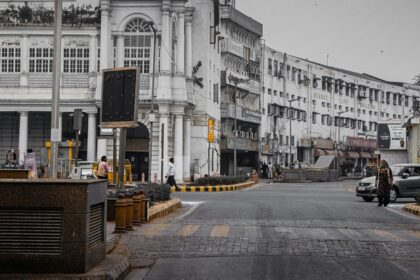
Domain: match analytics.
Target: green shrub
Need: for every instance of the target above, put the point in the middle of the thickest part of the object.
(222, 180)
(156, 192)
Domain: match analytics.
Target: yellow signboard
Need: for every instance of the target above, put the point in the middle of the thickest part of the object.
(210, 133)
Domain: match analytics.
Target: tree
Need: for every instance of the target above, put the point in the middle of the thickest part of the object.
(417, 80)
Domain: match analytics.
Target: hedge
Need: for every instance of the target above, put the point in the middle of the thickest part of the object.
(154, 192)
(223, 180)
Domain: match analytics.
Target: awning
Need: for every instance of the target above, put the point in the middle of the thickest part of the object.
(365, 155)
(352, 155)
(319, 152)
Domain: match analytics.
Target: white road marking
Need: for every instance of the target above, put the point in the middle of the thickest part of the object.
(194, 205)
(402, 213)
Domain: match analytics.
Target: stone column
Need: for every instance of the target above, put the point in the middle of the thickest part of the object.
(93, 53)
(23, 135)
(178, 147)
(165, 60)
(188, 47)
(91, 140)
(120, 50)
(105, 40)
(181, 44)
(163, 142)
(187, 148)
(24, 60)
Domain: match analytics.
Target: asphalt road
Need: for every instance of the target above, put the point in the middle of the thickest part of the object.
(278, 231)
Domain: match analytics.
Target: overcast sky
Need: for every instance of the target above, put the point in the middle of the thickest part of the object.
(379, 37)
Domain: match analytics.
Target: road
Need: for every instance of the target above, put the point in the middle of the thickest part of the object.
(278, 231)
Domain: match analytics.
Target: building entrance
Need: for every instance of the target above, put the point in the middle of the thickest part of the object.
(137, 151)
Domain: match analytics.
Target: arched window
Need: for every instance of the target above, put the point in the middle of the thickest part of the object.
(137, 44)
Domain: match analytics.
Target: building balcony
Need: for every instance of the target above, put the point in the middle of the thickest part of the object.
(243, 114)
(232, 14)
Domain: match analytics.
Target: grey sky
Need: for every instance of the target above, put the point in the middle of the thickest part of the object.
(379, 37)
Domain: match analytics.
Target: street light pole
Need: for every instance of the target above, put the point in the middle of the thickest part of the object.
(338, 147)
(55, 126)
(290, 128)
(236, 81)
(152, 102)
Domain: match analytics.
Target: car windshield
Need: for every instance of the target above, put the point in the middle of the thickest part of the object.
(396, 169)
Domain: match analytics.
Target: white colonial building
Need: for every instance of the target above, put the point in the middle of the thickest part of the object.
(105, 34)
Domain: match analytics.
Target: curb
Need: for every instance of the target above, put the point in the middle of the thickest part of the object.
(162, 209)
(412, 208)
(222, 188)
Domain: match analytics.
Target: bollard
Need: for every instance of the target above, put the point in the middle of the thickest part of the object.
(136, 208)
(120, 213)
(129, 211)
(143, 207)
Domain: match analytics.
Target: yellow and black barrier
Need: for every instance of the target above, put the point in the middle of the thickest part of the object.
(217, 188)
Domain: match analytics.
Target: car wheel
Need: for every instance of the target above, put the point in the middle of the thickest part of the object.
(368, 199)
(393, 194)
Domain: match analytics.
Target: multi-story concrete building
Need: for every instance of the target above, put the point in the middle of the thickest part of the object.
(104, 34)
(241, 57)
(312, 109)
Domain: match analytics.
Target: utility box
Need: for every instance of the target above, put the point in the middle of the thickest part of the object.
(52, 226)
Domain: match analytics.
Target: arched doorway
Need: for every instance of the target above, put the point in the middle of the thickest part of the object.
(137, 151)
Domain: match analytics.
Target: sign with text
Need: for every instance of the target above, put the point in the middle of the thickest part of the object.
(210, 133)
(392, 137)
(357, 142)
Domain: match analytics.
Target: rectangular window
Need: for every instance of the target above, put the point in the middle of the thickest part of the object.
(40, 60)
(216, 93)
(76, 60)
(10, 59)
(276, 68)
(137, 52)
(314, 118)
(269, 91)
(270, 66)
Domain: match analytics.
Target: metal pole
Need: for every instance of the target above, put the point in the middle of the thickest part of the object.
(76, 153)
(290, 133)
(162, 155)
(236, 132)
(152, 103)
(55, 130)
(284, 74)
(123, 134)
(114, 156)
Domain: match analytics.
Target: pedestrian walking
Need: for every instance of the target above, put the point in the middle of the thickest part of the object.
(265, 170)
(171, 175)
(384, 182)
(102, 172)
(270, 170)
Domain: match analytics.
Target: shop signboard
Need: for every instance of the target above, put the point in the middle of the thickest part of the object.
(392, 136)
(356, 142)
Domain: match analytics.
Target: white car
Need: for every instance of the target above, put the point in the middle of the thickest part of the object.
(406, 183)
